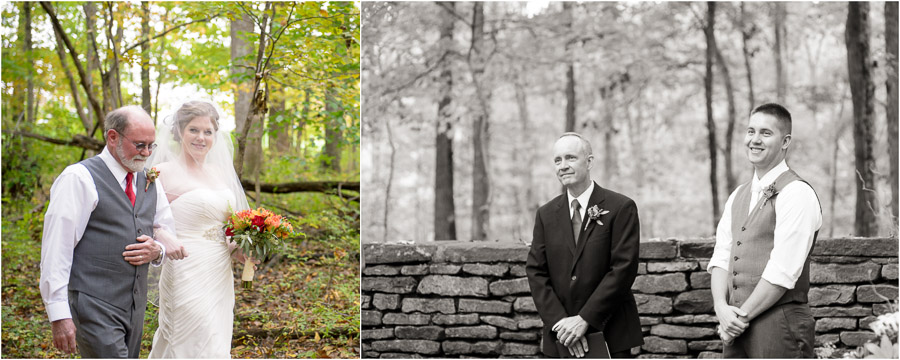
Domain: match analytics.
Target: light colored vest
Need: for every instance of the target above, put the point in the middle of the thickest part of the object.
(753, 239)
(98, 267)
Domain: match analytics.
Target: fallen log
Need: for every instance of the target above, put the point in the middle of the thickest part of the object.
(287, 333)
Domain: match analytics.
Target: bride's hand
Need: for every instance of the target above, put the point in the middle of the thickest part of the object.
(174, 249)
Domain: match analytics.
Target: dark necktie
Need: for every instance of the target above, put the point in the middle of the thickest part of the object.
(129, 190)
(576, 219)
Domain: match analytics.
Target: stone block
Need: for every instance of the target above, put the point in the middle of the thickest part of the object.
(885, 260)
(658, 345)
(466, 319)
(700, 280)
(421, 269)
(692, 319)
(429, 305)
(647, 320)
(453, 347)
(876, 293)
(475, 252)
(371, 317)
(653, 284)
(694, 249)
(394, 285)
(823, 273)
(484, 306)
(642, 268)
(529, 321)
(444, 269)
(857, 338)
(832, 295)
(486, 269)
(520, 336)
(524, 304)
(471, 332)
(855, 311)
(365, 302)
(369, 354)
(377, 334)
(694, 302)
(866, 322)
(406, 319)
(828, 324)
(671, 266)
(880, 309)
(393, 355)
(426, 347)
(446, 285)
(710, 355)
(666, 249)
(825, 339)
(386, 301)
(681, 332)
(856, 247)
(889, 271)
(397, 253)
(517, 270)
(652, 304)
(519, 349)
(509, 287)
(419, 332)
(705, 345)
(381, 270)
(500, 321)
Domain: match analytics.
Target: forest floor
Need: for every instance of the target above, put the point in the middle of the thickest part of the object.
(304, 303)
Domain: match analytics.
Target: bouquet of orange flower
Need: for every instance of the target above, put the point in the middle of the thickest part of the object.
(257, 233)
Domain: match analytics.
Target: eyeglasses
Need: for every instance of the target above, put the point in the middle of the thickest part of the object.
(140, 146)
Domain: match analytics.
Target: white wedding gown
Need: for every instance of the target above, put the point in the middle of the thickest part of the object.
(196, 294)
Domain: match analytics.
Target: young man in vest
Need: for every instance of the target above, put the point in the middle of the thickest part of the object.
(96, 243)
(760, 266)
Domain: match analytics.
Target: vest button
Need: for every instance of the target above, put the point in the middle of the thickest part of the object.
(736, 258)
(574, 277)
(735, 273)
(135, 216)
(739, 243)
(743, 228)
(734, 287)
(140, 232)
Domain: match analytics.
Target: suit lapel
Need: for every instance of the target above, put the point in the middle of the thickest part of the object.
(597, 198)
(564, 221)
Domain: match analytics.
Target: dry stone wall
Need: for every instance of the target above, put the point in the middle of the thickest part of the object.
(452, 299)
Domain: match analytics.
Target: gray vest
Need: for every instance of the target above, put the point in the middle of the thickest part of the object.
(98, 267)
(753, 233)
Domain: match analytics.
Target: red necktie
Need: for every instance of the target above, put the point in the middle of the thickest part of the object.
(129, 190)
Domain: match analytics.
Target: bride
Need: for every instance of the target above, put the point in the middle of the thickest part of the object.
(196, 293)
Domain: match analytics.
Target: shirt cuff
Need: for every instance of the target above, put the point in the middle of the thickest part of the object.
(162, 257)
(778, 277)
(716, 263)
(59, 310)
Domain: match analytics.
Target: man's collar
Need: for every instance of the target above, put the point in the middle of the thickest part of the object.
(770, 176)
(115, 168)
(583, 198)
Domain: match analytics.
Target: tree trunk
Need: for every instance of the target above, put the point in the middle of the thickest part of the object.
(480, 181)
(284, 136)
(730, 181)
(444, 207)
(862, 89)
(91, 59)
(779, 50)
(145, 58)
(745, 38)
(73, 88)
(570, 73)
(390, 181)
(242, 69)
(610, 165)
(29, 58)
(710, 123)
(890, 37)
(333, 131)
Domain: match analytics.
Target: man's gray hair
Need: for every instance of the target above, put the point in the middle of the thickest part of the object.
(585, 145)
(118, 118)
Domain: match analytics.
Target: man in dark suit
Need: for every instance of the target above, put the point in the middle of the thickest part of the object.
(584, 258)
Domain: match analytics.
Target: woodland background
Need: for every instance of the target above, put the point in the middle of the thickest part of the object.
(286, 75)
(463, 102)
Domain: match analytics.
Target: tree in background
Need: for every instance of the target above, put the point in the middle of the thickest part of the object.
(444, 206)
(890, 37)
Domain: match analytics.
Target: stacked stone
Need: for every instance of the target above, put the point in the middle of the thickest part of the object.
(472, 299)
(458, 300)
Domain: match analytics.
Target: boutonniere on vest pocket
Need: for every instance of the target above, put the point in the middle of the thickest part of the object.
(768, 193)
(151, 175)
(594, 213)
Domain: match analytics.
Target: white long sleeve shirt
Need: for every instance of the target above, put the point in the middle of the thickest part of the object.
(73, 197)
(797, 218)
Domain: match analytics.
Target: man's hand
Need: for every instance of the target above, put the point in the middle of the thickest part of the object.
(579, 348)
(729, 322)
(570, 329)
(64, 335)
(143, 252)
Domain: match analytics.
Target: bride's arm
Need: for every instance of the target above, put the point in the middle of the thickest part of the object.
(174, 249)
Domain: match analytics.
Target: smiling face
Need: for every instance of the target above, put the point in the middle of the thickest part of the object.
(766, 142)
(573, 164)
(139, 130)
(198, 137)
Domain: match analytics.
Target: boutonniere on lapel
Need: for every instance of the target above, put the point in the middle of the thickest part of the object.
(768, 193)
(151, 176)
(594, 213)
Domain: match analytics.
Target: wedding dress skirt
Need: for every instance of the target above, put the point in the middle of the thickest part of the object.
(196, 294)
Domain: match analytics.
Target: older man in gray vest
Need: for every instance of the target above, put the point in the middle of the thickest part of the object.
(760, 266)
(96, 243)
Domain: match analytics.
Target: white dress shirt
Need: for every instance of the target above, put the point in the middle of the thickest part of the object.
(582, 200)
(72, 194)
(797, 218)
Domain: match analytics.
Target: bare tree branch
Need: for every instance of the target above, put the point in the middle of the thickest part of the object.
(176, 27)
(77, 140)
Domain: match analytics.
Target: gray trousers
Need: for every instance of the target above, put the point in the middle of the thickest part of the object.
(103, 330)
(783, 331)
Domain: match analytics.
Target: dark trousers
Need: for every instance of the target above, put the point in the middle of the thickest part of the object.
(103, 330)
(782, 331)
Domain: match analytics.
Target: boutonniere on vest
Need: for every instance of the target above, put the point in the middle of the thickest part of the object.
(594, 213)
(151, 175)
(768, 193)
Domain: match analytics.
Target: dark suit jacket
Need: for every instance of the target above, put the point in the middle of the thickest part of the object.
(593, 279)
